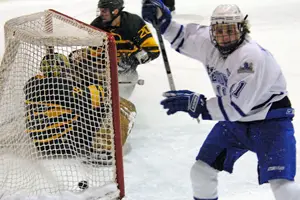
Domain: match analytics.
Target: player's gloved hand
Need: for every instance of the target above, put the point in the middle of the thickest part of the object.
(156, 13)
(131, 62)
(127, 63)
(123, 67)
(186, 101)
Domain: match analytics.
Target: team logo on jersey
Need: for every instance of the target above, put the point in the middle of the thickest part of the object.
(247, 67)
(219, 77)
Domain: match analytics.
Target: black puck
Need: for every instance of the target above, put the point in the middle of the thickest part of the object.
(83, 185)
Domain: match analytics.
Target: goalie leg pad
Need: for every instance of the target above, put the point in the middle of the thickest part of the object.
(104, 139)
(128, 114)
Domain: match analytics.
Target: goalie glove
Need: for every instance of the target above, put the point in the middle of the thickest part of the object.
(186, 101)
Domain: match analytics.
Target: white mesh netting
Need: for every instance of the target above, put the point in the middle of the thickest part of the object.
(56, 110)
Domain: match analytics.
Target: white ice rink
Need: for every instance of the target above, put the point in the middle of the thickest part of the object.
(164, 147)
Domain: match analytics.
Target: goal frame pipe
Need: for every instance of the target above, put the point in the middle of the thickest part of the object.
(116, 113)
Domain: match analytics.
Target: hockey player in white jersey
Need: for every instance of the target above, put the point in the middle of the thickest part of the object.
(251, 102)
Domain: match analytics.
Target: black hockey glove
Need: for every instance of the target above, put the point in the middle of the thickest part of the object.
(131, 62)
(127, 63)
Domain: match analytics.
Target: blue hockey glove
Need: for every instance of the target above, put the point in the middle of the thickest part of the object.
(156, 13)
(186, 101)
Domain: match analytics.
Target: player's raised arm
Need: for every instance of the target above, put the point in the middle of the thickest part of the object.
(192, 40)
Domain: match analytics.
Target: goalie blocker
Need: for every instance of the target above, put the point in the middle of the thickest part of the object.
(66, 113)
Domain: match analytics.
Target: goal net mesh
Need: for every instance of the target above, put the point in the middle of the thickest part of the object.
(57, 131)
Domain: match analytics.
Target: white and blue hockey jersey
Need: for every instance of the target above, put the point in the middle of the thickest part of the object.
(246, 83)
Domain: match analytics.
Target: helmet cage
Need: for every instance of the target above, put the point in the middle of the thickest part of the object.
(88, 64)
(228, 48)
(55, 65)
(235, 31)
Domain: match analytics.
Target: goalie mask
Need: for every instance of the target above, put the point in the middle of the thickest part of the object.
(88, 64)
(228, 28)
(109, 10)
(55, 65)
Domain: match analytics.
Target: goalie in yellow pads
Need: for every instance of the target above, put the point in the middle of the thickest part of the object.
(67, 109)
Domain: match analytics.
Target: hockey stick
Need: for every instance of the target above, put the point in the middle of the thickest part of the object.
(165, 58)
(139, 82)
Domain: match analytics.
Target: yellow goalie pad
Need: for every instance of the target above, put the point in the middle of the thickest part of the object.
(104, 139)
(127, 117)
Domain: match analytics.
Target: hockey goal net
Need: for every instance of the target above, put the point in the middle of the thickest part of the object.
(59, 111)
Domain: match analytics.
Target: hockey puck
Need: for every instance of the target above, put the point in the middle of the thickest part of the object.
(83, 185)
(141, 82)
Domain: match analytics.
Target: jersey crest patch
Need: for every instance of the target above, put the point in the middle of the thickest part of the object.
(247, 67)
(209, 69)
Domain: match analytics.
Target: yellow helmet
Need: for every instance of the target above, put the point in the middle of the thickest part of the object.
(54, 65)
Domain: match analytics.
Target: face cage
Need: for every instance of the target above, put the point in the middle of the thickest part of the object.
(84, 71)
(57, 73)
(229, 48)
(55, 68)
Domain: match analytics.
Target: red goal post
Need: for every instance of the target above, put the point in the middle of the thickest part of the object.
(78, 151)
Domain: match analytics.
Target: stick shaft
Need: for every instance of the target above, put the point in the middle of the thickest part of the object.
(165, 57)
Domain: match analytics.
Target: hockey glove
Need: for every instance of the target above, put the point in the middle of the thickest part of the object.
(127, 63)
(123, 67)
(186, 101)
(131, 62)
(156, 13)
